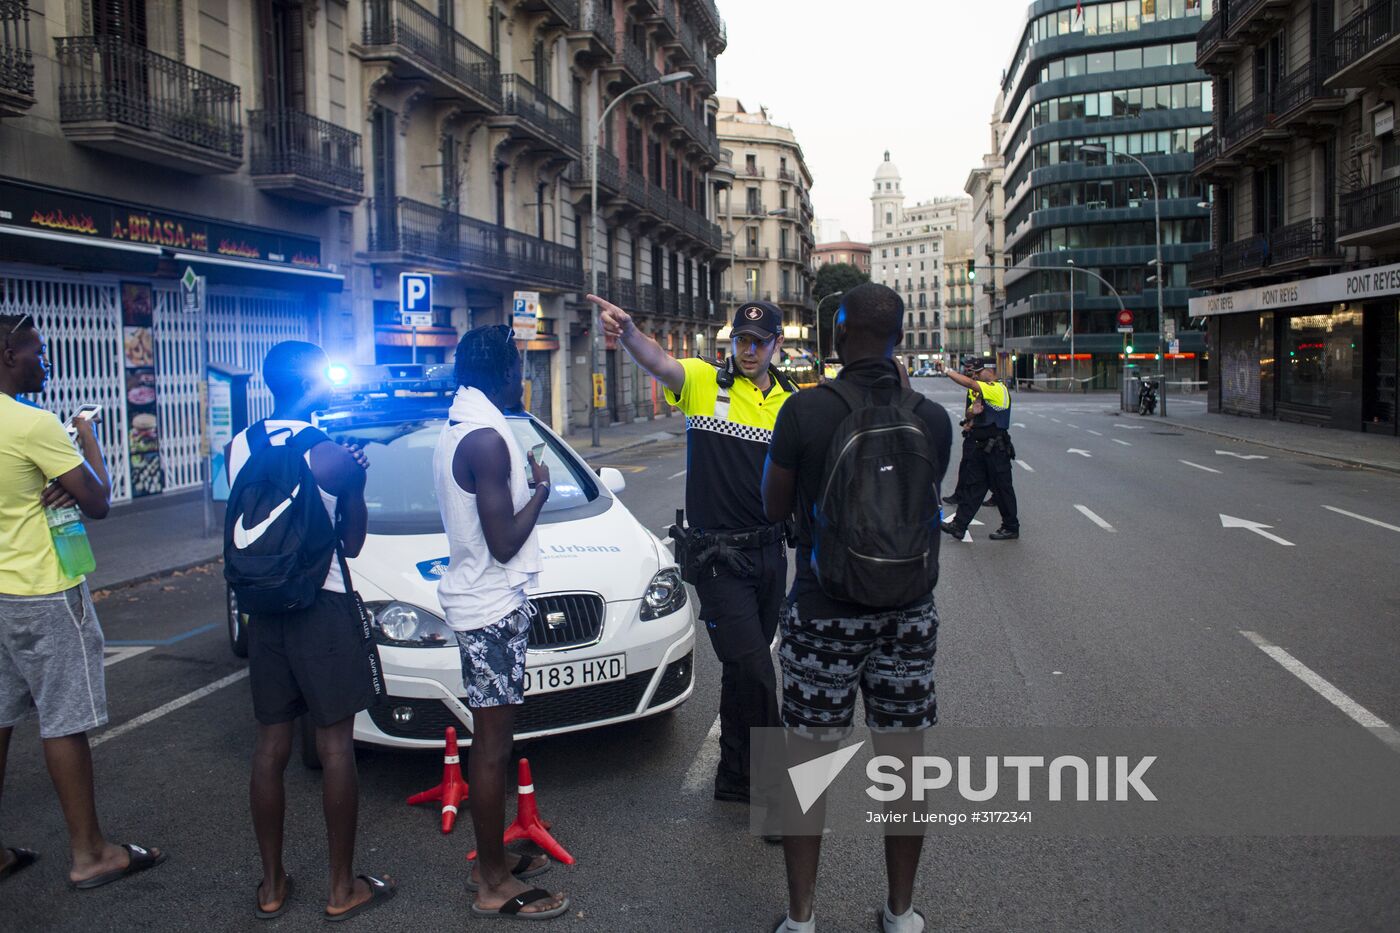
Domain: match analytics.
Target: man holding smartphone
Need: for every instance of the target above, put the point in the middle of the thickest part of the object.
(50, 640)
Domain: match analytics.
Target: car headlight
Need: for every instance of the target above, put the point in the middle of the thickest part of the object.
(664, 595)
(407, 626)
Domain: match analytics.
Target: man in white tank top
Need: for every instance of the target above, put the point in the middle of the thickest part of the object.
(489, 513)
(311, 662)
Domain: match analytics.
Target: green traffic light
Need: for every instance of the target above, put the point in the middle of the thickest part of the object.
(1128, 348)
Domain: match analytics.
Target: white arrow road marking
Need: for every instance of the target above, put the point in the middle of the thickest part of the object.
(1093, 432)
(1094, 518)
(1362, 518)
(1076, 450)
(1198, 466)
(1231, 453)
(967, 536)
(1129, 427)
(1229, 521)
(1360, 714)
(973, 522)
(1025, 466)
(1124, 443)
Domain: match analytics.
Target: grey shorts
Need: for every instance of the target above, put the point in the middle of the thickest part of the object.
(51, 658)
(493, 661)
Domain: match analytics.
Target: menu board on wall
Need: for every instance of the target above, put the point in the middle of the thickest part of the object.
(142, 417)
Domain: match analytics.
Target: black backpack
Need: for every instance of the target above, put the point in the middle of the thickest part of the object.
(875, 524)
(278, 537)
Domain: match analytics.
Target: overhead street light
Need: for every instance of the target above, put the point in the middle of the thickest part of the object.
(593, 367)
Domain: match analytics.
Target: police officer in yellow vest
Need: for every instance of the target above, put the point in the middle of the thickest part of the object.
(735, 557)
(987, 453)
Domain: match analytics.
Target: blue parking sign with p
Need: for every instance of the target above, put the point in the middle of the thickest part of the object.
(415, 293)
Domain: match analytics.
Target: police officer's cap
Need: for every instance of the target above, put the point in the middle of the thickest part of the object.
(762, 319)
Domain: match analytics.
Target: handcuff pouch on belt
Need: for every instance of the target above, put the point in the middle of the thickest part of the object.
(700, 553)
(996, 443)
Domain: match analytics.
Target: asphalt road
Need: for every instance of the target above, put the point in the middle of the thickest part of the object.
(1074, 624)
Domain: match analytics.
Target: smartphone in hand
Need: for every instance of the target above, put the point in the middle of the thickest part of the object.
(537, 452)
(87, 413)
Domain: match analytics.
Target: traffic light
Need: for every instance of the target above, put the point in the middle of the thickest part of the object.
(972, 270)
(1128, 349)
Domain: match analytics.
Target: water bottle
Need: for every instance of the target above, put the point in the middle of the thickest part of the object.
(70, 541)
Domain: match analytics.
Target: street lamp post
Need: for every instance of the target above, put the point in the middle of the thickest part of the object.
(1073, 360)
(1096, 149)
(593, 347)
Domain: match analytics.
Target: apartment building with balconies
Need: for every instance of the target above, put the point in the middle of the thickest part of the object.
(1303, 167)
(302, 155)
(1093, 94)
(844, 251)
(960, 290)
(984, 186)
(907, 254)
(767, 220)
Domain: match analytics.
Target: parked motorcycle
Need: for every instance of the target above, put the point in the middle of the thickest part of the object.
(1147, 397)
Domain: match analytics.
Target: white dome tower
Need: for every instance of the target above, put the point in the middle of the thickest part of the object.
(888, 200)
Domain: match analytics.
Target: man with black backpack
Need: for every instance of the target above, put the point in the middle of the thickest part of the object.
(858, 461)
(296, 512)
(736, 558)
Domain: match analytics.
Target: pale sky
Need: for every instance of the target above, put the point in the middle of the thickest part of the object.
(852, 79)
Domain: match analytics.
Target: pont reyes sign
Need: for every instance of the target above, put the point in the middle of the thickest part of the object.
(1328, 289)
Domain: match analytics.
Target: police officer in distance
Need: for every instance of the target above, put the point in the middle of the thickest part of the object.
(970, 365)
(987, 453)
(733, 555)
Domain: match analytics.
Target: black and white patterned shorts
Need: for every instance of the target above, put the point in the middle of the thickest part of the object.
(888, 656)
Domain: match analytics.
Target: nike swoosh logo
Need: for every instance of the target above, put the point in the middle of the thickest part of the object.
(244, 537)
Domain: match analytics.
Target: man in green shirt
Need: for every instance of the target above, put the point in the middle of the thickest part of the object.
(50, 640)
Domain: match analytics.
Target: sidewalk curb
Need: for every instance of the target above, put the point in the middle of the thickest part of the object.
(589, 455)
(154, 575)
(1348, 461)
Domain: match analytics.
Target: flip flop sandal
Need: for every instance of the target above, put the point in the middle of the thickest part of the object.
(379, 892)
(514, 909)
(142, 859)
(23, 859)
(880, 919)
(286, 900)
(522, 870)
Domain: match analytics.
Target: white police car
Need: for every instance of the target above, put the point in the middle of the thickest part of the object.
(614, 634)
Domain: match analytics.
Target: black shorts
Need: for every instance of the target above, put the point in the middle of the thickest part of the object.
(312, 661)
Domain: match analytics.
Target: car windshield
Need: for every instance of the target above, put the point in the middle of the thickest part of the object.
(399, 488)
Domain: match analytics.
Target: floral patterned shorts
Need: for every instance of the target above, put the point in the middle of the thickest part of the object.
(493, 661)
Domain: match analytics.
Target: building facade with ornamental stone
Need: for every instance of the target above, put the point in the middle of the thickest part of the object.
(767, 221)
(907, 254)
(300, 156)
(984, 186)
(845, 251)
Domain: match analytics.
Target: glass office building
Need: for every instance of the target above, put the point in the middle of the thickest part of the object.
(1083, 94)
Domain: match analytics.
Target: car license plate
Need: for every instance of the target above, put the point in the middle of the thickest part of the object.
(550, 678)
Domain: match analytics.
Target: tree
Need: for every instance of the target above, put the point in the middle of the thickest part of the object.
(832, 278)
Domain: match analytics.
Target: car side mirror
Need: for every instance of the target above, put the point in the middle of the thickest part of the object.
(612, 478)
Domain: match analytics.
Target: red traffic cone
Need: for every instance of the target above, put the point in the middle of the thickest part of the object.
(453, 790)
(528, 824)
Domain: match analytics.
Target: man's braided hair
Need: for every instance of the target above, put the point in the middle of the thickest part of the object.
(484, 357)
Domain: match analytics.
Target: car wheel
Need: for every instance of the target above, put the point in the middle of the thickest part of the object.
(307, 732)
(237, 627)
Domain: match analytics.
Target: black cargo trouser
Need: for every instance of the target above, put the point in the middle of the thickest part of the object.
(986, 465)
(741, 616)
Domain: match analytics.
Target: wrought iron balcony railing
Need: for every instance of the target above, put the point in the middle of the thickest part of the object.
(1371, 208)
(1301, 87)
(108, 79)
(16, 60)
(1364, 33)
(1312, 238)
(1211, 32)
(543, 113)
(1245, 255)
(596, 17)
(288, 142)
(421, 230)
(404, 25)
